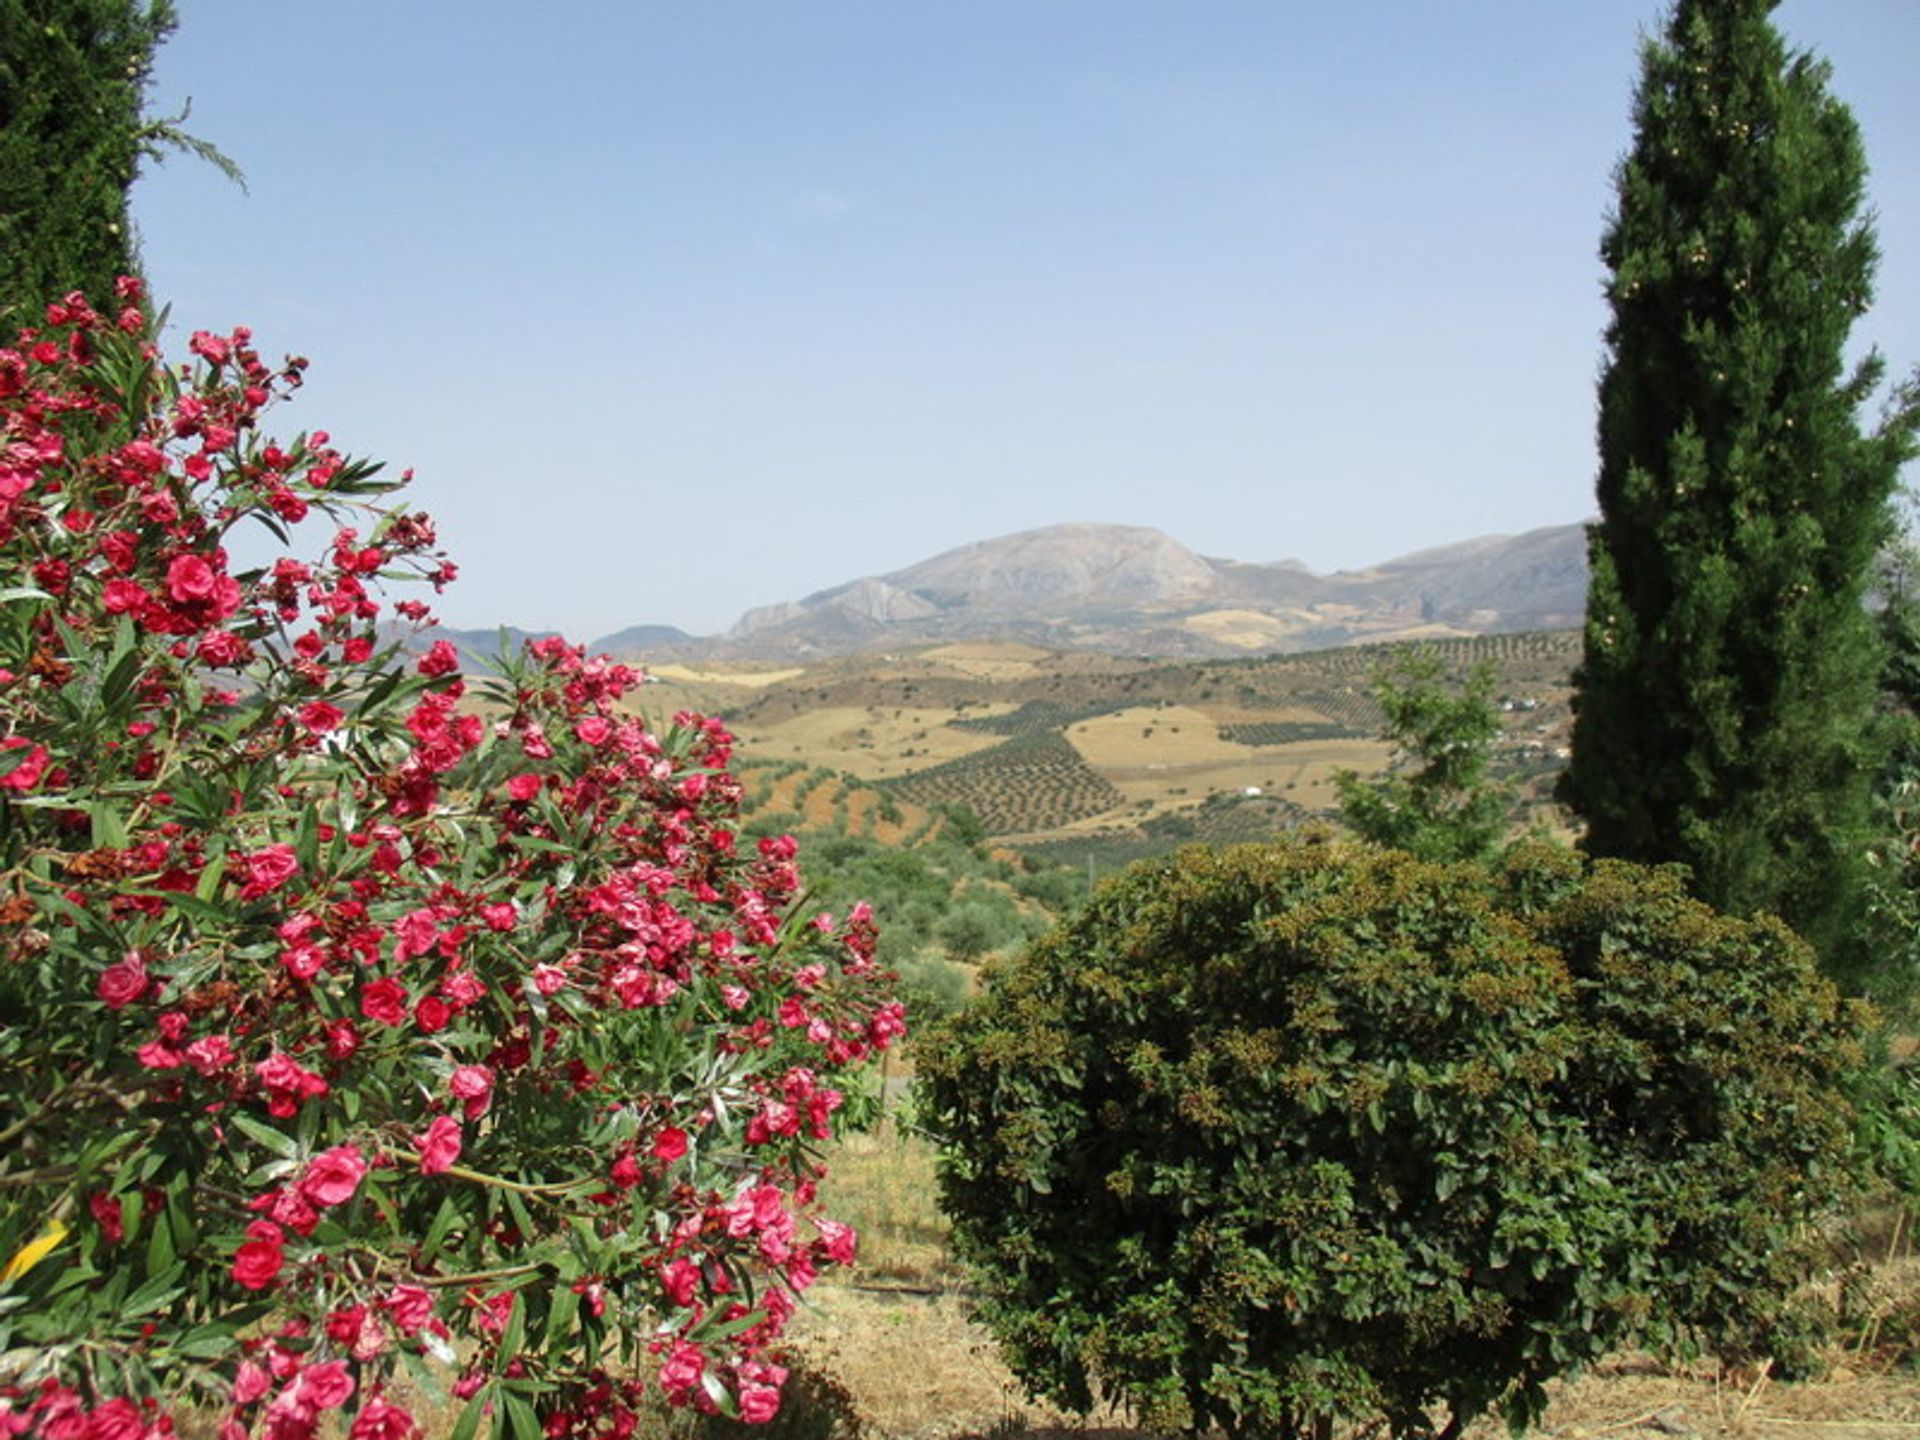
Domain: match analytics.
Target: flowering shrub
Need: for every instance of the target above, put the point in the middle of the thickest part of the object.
(355, 1018)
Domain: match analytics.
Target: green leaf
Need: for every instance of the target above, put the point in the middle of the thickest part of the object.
(561, 1314)
(443, 1222)
(514, 1338)
(522, 1421)
(109, 829)
(160, 1253)
(264, 1134)
(159, 1291)
(468, 1425)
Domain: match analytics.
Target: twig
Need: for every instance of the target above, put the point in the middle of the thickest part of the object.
(1631, 1424)
(1759, 1384)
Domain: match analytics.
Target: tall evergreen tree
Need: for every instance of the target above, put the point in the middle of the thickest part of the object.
(73, 79)
(1724, 708)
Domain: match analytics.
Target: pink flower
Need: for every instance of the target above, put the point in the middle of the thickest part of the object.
(440, 1145)
(593, 730)
(118, 597)
(474, 1085)
(123, 982)
(334, 1175)
(118, 1419)
(210, 1054)
(106, 1214)
(441, 659)
(303, 962)
(681, 1280)
(523, 787)
(385, 1000)
(682, 1369)
(209, 347)
(326, 1386)
(416, 933)
(840, 1240)
(759, 1403)
(342, 1039)
(26, 773)
(625, 1171)
(190, 579)
(379, 1420)
(492, 1314)
(287, 1207)
(250, 1382)
(266, 869)
(320, 717)
(287, 1084)
(411, 1307)
(670, 1144)
(258, 1261)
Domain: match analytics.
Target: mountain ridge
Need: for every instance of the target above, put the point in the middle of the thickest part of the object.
(1129, 589)
(1134, 590)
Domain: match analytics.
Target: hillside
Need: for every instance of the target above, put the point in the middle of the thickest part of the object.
(1077, 755)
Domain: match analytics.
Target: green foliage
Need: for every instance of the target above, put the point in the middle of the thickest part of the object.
(73, 76)
(1890, 918)
(1315, 1128)
(1437, 800)
(944, 901)
(976, 927)
(1730, 668)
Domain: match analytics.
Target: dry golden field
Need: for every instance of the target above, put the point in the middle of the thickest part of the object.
(869, 741)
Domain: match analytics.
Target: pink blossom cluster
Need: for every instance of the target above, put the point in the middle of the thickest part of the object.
(436, 1012)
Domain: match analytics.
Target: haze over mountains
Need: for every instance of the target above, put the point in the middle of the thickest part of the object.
(1130, 590)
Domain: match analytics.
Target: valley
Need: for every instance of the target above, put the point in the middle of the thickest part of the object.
(1088, 757)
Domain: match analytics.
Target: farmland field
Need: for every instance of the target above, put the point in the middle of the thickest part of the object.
(1043, 746)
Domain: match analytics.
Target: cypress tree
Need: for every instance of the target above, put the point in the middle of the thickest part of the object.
(73, 79)
(1724, 706)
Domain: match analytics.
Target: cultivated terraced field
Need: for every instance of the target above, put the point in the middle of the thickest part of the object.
(1094, 753)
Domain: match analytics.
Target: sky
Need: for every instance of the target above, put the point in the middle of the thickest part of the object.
(679, 308)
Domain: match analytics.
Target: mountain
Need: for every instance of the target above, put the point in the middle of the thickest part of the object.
(1131, 590)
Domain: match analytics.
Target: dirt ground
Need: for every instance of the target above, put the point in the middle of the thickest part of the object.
(919, 1370)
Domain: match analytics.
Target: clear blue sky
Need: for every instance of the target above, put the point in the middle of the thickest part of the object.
(678, 308)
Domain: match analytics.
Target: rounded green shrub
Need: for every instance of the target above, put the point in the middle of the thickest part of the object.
(1273, 1134)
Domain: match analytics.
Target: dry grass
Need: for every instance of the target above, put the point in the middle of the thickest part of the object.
(1247, 629)
(882, 1183)
(1152, 735)
(986, 661)
(871, 741)
(1175, 756)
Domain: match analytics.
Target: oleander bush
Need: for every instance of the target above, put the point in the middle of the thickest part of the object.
(1283, 1132)
(347, 1030)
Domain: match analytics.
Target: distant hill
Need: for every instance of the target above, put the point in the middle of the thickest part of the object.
(1129, 590)
(641, 638)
